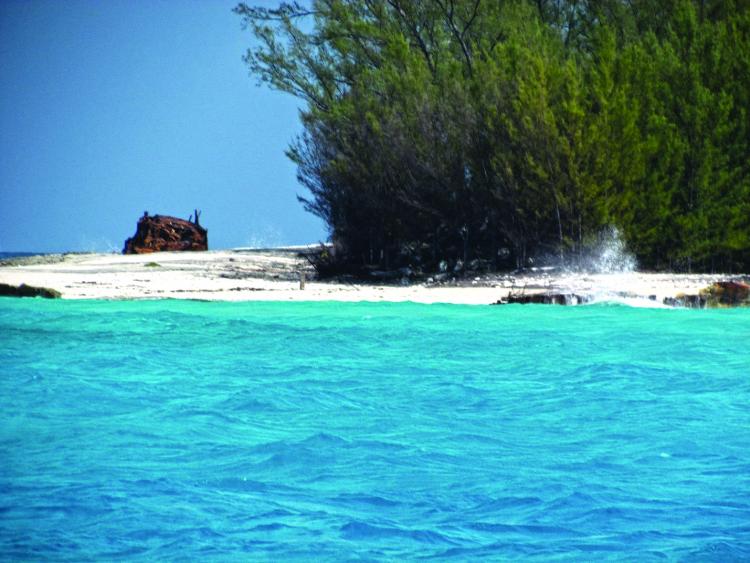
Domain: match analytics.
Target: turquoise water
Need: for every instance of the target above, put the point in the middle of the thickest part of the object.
(174, 429)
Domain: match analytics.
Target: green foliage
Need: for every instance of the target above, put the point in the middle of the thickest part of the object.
(465, 129)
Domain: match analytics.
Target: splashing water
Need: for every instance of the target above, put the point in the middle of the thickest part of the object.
(609, 259)
(612, 255)
(603, 272)
(266, 236)
(609, 255)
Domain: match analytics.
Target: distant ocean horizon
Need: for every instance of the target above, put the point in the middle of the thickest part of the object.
(283, 247)
(4, 255)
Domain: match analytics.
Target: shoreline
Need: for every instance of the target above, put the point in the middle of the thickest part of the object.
(274, 275)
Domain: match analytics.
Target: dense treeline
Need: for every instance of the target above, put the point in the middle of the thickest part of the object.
(502, 130)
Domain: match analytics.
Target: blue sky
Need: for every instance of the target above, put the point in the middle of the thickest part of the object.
(110, 108)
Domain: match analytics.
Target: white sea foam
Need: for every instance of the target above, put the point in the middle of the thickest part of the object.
(608, 255)
(605, 272)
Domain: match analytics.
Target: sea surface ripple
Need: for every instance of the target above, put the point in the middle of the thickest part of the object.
(328, 431)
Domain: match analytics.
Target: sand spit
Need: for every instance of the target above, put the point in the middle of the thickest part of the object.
(274, 275)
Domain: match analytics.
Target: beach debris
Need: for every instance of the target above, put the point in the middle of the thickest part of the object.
(24, 290)
(159, 233)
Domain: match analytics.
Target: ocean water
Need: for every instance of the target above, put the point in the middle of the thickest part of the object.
(4, 255)
(326, 431)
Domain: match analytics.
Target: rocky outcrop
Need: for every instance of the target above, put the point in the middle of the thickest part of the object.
(24, 290)
(729, 293)
(544, 299)
(725, 293)
(686, 301)
(158, 233)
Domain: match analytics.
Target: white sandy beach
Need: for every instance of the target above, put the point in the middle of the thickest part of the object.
(273, 275)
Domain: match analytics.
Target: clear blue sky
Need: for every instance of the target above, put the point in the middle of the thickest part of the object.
(110, 108)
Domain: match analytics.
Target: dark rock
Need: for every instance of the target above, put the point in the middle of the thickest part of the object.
(688, 301)
(24, 290)
(544, 299)
(157, 233)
